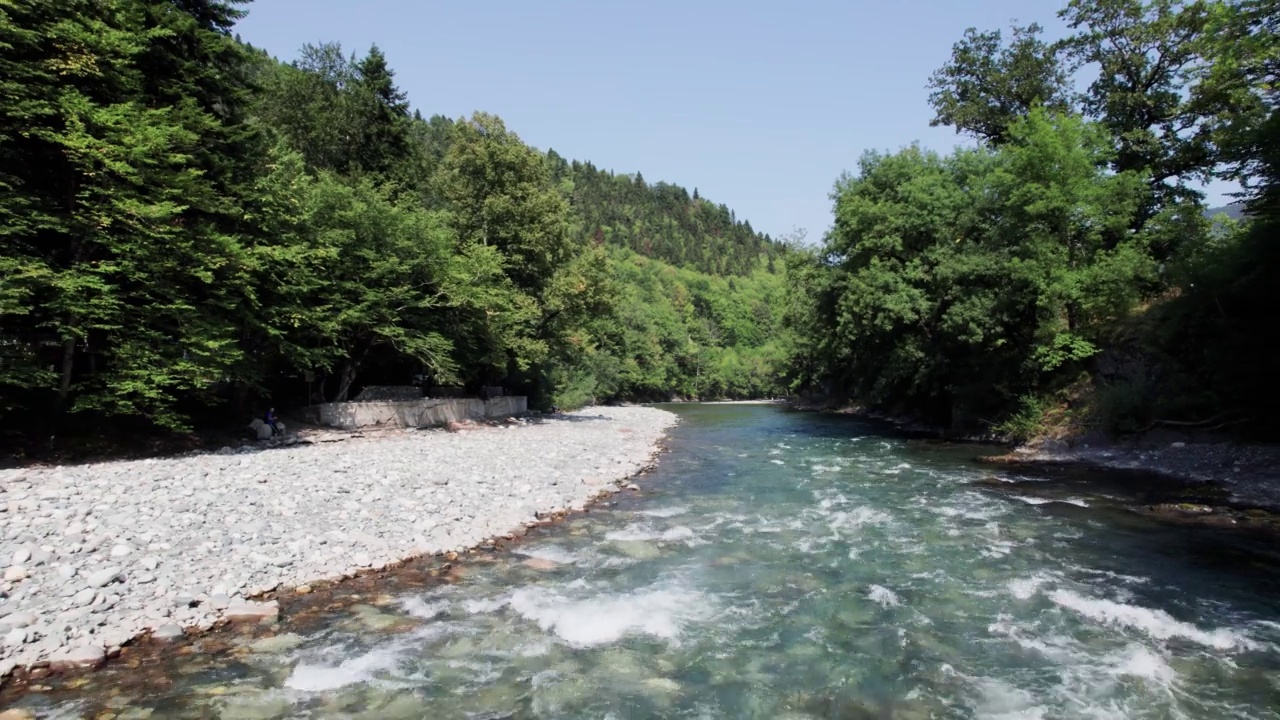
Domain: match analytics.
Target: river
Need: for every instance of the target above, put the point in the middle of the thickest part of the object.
(785, 565)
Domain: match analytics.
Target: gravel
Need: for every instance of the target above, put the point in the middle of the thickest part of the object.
(1250, 473)
(101, 553)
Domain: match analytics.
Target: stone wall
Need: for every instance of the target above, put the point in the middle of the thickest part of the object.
(416, 413)
(389, 393)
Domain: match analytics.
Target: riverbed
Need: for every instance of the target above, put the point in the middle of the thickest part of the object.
(781, 565)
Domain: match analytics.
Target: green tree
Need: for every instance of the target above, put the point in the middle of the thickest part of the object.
(500, 193)
(342, 113)
(119, 147)
(987, 85)
(1145, 53)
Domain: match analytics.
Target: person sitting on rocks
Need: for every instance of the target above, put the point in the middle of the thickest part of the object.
(272, 422)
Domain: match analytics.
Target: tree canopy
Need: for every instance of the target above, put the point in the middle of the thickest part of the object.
(193, 227)
(1066, 265)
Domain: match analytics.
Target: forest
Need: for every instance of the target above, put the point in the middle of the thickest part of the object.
(1064, 275)
(195, 230)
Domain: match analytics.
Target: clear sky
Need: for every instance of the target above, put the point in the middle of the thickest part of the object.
(760, 105)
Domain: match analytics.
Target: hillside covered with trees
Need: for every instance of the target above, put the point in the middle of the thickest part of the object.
(194, 230)
(1064, 275)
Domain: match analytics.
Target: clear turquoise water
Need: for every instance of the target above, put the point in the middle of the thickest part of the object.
(793, 565)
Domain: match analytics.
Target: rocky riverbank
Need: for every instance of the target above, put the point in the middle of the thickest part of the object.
(1248, 474)
(98, 554)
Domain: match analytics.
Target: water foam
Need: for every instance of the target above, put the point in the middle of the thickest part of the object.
(666, 512)
(882, 595)
(480, 606)
(659, 612)
(553, 553)
(1155, 623)
(970, 506)
(1025, 588)
(634, 533)
(309, 677)
(1045, 501)
(1139, 661)
(856, 518)
(1001, 701)
(420, 608)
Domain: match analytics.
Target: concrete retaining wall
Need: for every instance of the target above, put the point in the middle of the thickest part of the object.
(414, 413)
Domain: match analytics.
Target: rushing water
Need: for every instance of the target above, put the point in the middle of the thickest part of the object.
(786, 565)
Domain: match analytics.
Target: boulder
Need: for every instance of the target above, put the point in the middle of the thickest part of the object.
(538, 563)
(252, 612)
(167, 633)
(78, 658)
(260, 430)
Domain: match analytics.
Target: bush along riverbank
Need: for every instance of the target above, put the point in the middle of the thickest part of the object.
(99, 554)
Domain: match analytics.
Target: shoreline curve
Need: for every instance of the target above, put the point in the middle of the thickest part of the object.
(108, 553)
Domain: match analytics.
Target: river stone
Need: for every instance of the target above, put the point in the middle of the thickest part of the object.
(84, 597)
(260, 706)
(102, 578)
(15, 637)
(374, 619)
(637, 549)
(167, 633)
(662, 685)
(403, 706)
(17, 714)
(15, 573)
(21, 555)
(19, 619)
(77, 658)
(198, 520)
(252, 611)
(283, 642)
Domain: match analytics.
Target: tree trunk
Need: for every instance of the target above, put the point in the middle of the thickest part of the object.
(344, 385)
(68, 363)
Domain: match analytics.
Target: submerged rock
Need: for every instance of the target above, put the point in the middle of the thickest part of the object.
(283, 642)
(261, 706)
(637, 549)
(538, 563)
(662, 685)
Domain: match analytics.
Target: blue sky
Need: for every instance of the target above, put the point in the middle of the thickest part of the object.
(760, 105)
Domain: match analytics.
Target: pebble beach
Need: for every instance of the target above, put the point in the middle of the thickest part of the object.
(96, 555)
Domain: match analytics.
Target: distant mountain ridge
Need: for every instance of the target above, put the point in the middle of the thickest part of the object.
(1235, 211)
(660, 220)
